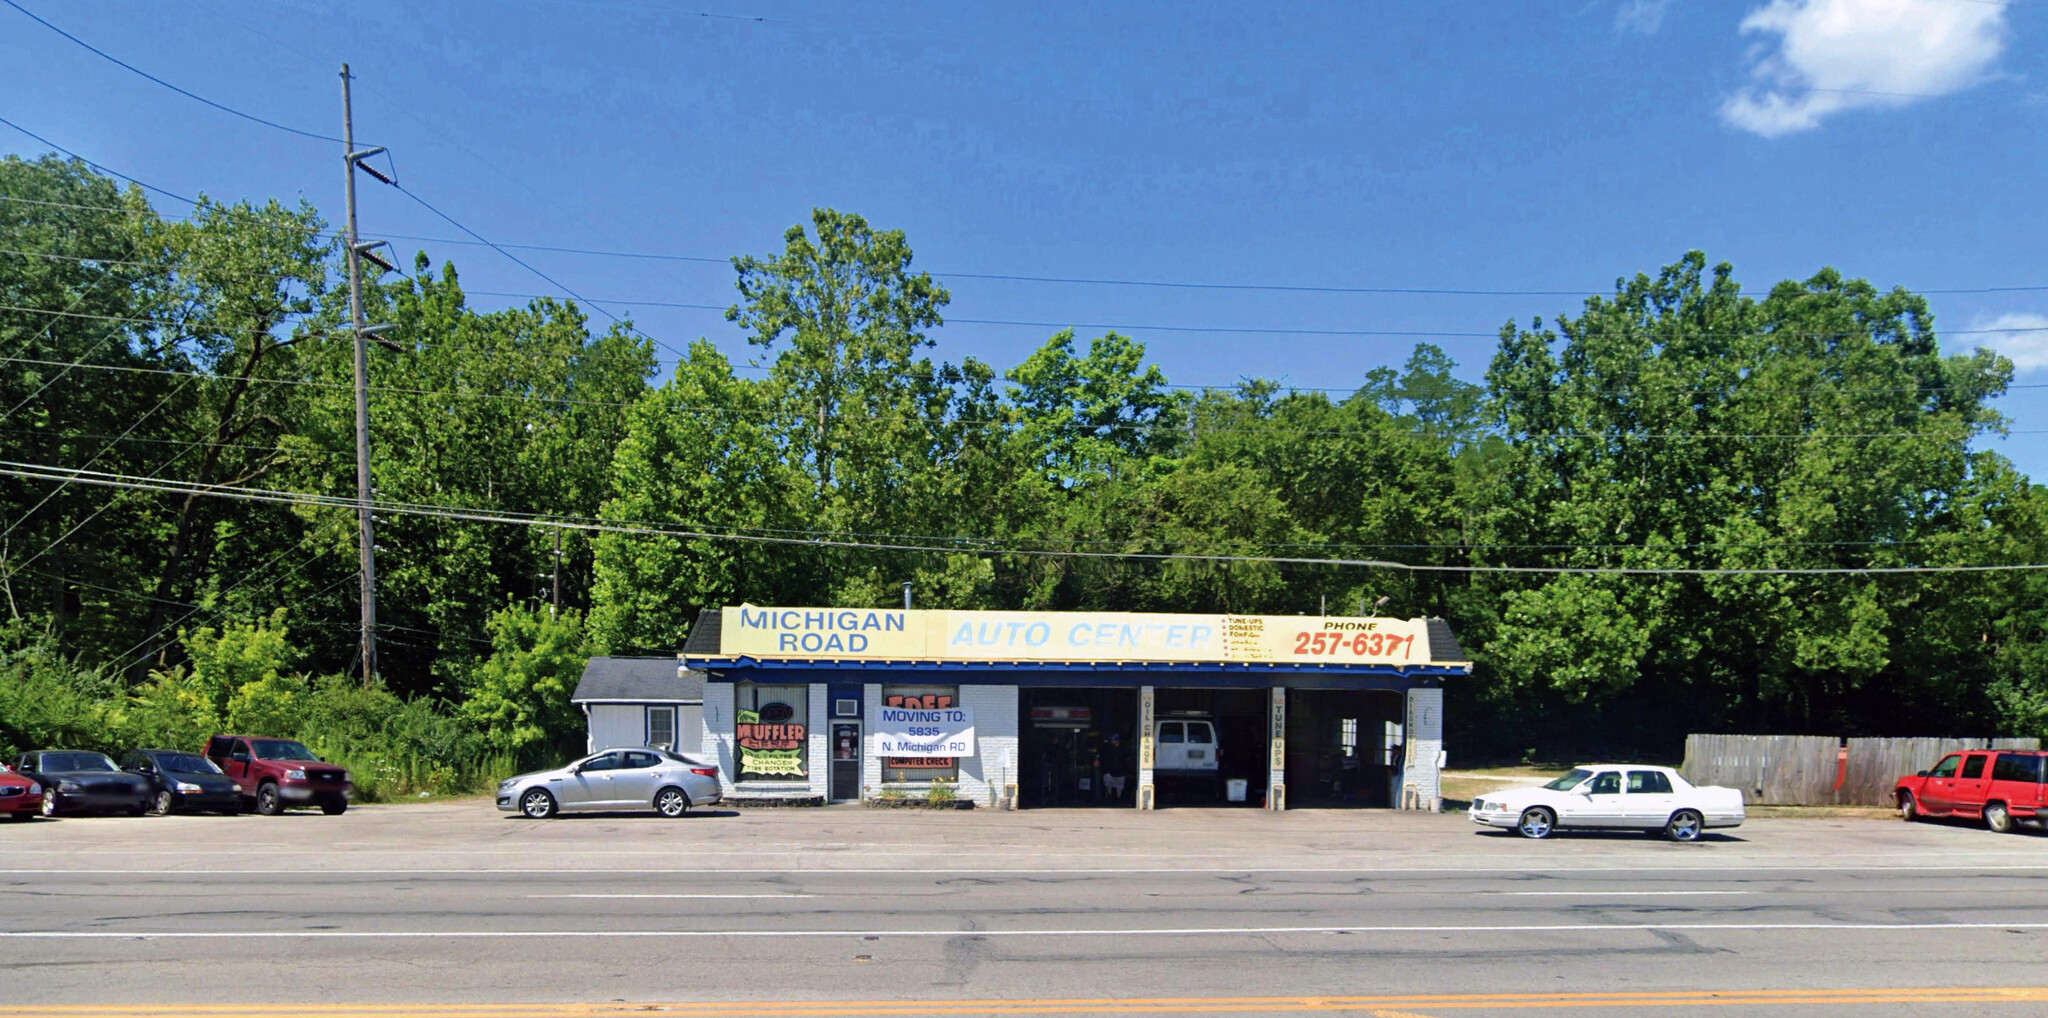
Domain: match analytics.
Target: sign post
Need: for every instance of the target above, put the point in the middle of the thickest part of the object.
(1276, 766)
(1145, 727)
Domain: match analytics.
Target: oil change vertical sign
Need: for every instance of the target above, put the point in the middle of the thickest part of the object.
(906, 731)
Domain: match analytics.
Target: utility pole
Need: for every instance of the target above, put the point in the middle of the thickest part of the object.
(556, 600)
(359, 252)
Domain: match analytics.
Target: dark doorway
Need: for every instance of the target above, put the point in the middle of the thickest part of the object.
(1343, 747)
(1239, 720)
(845, 760)
(1077, 747)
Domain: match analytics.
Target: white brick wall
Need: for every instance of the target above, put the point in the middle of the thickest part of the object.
(718, 731)
(994, 762)
(870, 764)
(820, 763)
(1425, 741)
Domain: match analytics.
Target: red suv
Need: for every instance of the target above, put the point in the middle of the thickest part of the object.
(2000, 785)
(280, 773)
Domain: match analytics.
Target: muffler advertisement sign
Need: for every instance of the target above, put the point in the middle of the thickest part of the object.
(906, 731)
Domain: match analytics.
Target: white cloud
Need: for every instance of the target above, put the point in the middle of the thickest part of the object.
(1835, 55)
(1643, 17)
(2019, 335)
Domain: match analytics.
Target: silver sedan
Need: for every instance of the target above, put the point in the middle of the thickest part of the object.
(616, 779)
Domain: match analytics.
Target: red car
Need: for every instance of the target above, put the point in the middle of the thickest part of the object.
(2001, 786)
(20, 797)
(278, 774)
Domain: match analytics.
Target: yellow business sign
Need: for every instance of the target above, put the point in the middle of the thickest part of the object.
(919, 635)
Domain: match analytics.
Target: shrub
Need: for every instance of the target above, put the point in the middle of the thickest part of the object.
(48, 699)
(519, 697)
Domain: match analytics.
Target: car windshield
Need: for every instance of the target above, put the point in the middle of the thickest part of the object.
(77, 762)
(186, 763)
(1569, 781)
(280, 749)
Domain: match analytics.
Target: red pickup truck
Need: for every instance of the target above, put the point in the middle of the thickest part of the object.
(277, 774)
(2001, 786)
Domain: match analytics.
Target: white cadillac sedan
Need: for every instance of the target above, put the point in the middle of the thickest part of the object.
(616, 779)
(1655, 800)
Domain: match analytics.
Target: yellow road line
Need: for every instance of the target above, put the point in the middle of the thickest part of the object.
(1387, 1004)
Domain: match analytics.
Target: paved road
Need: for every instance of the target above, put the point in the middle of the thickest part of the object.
(1052, 912)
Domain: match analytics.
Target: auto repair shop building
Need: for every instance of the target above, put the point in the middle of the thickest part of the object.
(1074, 708)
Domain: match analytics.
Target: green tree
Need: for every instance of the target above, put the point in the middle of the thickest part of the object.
(519, 697)
(1682, 424)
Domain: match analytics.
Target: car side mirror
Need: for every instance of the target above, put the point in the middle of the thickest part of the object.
(1919, 774)
(575, 768)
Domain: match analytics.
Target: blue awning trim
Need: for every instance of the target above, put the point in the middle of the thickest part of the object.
(1213, 674)
(1076, 666)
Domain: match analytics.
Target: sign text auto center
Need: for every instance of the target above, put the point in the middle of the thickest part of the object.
(1067, 636)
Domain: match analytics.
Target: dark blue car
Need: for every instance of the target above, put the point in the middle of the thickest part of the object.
(181, 782)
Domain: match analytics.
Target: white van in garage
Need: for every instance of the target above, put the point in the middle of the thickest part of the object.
(1185, 745)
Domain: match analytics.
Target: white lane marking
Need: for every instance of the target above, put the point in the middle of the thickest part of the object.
(1236, 931)
(1608, 894)
(671, 895)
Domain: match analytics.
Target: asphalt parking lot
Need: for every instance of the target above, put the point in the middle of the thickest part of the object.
(394, 908)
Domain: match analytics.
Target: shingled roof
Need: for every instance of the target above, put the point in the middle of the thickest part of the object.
(1443, 644)
(638, 680)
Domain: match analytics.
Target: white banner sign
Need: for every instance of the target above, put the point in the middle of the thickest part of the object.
(903, 731)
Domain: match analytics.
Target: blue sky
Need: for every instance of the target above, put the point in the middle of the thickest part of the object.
(1530, 146)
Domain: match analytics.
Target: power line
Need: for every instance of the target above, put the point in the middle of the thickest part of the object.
(801, 413)
(597, 305)
(31, 471)
(504, 246)
(117, 61)
(97, 166)
(969, 543)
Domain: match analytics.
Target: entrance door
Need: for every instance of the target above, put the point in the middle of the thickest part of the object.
(845, 760)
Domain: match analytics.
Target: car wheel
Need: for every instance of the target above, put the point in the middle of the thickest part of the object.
(671, 802)
(537, 803)
(50, 807)
(1996, 818)
(1909, 808)
(166, 804)
(334, 807)
(1685, 825)
(1536, 822)
(268, 802)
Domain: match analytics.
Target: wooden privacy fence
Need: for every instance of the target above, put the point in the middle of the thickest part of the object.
(1800, 770)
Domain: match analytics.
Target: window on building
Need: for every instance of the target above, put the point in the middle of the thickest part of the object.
(772, 725)
(661, 727)
(930, 768)
(1347, 738)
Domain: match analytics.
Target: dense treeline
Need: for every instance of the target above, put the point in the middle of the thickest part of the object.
(1675, 423)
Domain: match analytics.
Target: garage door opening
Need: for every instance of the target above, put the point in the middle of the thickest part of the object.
(1344, 747)
(1234, 721)
(1077, 747)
